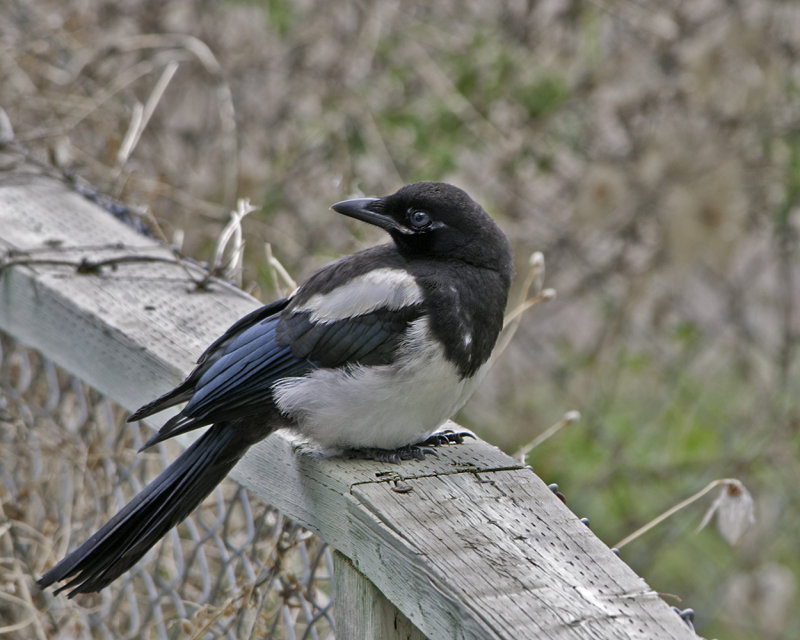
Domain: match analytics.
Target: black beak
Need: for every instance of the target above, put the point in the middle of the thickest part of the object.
(368, 210)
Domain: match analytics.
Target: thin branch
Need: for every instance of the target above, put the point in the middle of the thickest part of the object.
(141, 115)
(533, 278)
(569, 418)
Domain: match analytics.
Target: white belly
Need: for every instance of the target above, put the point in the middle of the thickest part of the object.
(385, 407)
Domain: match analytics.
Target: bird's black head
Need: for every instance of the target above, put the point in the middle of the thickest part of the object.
(437, 220)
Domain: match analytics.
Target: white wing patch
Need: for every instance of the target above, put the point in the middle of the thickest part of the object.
(383, 288)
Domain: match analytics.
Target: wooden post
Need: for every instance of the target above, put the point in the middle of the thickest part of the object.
(361, 611)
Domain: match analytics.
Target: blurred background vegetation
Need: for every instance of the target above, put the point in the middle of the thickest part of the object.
(651, 151)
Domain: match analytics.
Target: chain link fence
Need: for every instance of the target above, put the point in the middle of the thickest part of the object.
(236, 568)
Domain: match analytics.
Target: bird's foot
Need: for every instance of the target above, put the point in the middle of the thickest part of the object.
(446, 436)
(416, 451)
(395, 456)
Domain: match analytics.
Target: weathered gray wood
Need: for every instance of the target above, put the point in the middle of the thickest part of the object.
(361, 611)
(469, 545)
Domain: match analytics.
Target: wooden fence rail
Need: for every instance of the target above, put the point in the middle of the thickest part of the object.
(469, 545)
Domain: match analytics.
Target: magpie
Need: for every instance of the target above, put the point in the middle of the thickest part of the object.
(369, 356)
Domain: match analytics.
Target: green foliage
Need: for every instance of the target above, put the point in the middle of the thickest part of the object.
(792, 185)
(544, 96)
(432, 139)
(281, 15)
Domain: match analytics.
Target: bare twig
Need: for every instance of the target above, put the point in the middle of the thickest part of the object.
(569, 418)
(278, 271)
(141, 115)
(533, 278)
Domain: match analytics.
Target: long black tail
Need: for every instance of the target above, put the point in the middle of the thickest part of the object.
(119, 543)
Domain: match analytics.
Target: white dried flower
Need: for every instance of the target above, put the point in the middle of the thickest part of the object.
(734, 509)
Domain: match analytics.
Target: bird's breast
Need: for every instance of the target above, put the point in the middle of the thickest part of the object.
(385, 406)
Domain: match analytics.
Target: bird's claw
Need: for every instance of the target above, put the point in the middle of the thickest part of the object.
(412, 451)
(394, 456)
(446, 436)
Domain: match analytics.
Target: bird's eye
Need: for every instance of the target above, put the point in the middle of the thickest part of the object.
(418, 219)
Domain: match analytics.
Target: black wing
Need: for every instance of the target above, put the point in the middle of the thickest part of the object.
(368, 339)
(185, 389)
(235, 375)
